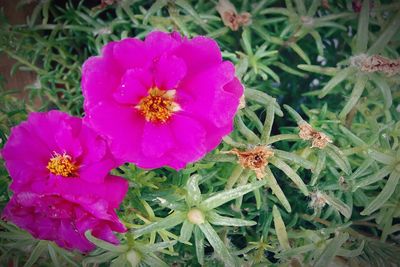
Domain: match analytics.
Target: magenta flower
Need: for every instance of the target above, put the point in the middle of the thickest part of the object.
(63, 214)
(59, 169)
(52, 148)
(164, 101)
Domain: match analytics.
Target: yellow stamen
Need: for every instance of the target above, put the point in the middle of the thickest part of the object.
(62, 165)
(159, 105)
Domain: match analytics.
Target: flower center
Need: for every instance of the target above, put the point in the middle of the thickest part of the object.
(159, 105)
(62, 165)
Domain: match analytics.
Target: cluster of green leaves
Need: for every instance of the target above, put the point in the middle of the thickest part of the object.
(314, 205)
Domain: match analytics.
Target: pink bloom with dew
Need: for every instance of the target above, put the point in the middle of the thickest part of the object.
(164, 101)
(59, 169)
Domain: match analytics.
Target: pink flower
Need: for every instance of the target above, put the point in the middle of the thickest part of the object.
(164, 101)
(63, 214)
(59, 169)
(52, 148)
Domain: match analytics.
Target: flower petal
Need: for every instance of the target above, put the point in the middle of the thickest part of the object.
(94, 146)
(66, 141)
(206, 92)
(101, 76)
(134, 86)
(169, 72)
(158, 43)
(123, 126)
(189, 138)
(128, 60)
(157, 139)
(199, 54)
(95, 172)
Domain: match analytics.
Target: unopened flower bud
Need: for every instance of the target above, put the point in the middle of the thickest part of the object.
(133, 257)
(196, 216)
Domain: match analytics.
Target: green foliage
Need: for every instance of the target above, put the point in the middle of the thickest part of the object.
(313, 206)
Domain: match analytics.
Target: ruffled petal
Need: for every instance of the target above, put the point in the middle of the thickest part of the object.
(94, 146)
(189, 139)
(45, 125)
(115, 190)
(24, 145)
(100, 76)
(205, 90)
(156, 140)
(23, 174)
(70, 237)
(169, 72)
(134, 86)
(224, 108)
(122, 126)
(66, 141)
(158, 43)
(104, 232)
(199, 54)
(95, 172)
(131, 53)
(234, 87)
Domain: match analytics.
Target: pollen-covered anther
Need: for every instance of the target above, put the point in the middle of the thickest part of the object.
(62, 164)
(254, 159)
(319, 139)
(159, 105)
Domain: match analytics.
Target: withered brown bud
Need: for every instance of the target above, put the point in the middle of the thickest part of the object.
(319, 139)
(230, 16)
(254, 159)
(376, 63)
(325, 4)
(318, 200)
(306, 131)
(105, 3)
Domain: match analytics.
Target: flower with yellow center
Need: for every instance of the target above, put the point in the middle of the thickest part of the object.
(62, 165)
(159, 105)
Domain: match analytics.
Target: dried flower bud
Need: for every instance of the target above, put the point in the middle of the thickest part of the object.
(319, 139)
(254, 159)
(230, 17)
(244, 18)
(325, 4)
(306, 131)
(318, 200)
(105, 3)
(376, 63)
